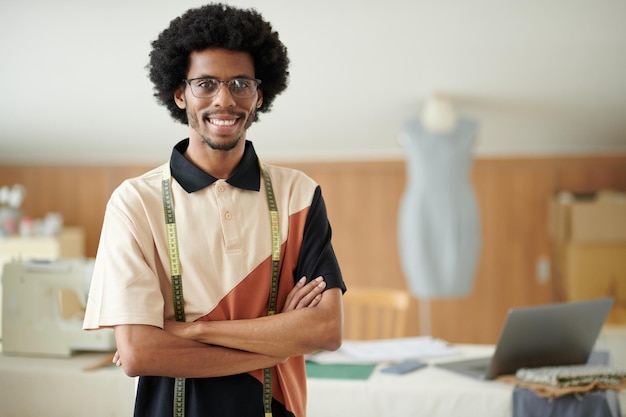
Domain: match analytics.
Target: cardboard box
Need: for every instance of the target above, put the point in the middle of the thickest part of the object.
(589, 233)
(594, 271)
(588, 218)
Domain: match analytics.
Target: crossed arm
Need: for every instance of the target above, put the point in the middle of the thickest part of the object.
(311, 320)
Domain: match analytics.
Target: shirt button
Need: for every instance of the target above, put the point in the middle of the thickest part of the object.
(220, 188)
(228, 216)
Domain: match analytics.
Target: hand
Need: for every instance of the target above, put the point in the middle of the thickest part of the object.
(305, 295)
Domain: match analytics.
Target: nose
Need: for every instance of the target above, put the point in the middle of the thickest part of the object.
(223, 97)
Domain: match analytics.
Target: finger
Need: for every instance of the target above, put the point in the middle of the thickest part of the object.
(303, 295)
(314, 292)
(305, 291)
(292, 293)
(116, 359)
(316, 300)
(300, 291)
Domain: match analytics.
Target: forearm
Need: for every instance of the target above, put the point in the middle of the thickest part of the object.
(287, 334)
(148, 350)
(290, 334)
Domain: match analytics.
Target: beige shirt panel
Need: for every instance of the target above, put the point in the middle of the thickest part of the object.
(223, 234)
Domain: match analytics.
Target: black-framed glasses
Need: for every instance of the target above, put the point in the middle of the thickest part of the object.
(206, 87)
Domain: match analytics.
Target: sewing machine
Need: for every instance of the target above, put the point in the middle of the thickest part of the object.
(43, 309)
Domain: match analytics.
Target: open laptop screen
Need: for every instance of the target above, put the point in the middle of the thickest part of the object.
(545, 335)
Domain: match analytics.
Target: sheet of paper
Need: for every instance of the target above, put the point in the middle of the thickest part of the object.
(376, 351)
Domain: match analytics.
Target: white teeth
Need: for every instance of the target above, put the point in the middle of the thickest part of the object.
(221, 122)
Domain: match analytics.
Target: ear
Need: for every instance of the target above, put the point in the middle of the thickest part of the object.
(179, 97)
(259, 100)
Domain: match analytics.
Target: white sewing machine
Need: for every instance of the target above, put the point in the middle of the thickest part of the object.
(43, 309)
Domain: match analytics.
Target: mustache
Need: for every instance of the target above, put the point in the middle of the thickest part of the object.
(208, 115)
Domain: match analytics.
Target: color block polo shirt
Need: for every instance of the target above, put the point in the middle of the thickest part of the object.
(224, 238)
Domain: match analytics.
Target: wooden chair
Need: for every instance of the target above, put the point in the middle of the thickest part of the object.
(374, 313)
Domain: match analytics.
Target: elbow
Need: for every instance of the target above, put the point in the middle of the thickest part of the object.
(333, 344)
(331, 323)
(332, 337)
(131, 370)
(135, 351)
(133, 365)
(323, 337)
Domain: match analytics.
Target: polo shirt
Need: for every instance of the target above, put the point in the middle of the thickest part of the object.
(224, 238)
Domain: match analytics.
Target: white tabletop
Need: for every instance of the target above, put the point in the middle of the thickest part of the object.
(36, 387)
(32, 386)
(429, 391)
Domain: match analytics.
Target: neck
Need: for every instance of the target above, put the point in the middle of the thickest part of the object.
(218, 163)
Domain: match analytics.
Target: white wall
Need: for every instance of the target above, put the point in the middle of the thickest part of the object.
(541, 76)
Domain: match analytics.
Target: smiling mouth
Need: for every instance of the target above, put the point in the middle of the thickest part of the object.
(223, 122)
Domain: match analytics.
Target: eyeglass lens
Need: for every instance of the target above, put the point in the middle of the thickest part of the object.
(208, 87)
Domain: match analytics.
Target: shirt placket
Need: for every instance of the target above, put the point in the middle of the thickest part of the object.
(228, 220)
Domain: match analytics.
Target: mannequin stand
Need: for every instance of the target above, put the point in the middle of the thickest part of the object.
(424, 316)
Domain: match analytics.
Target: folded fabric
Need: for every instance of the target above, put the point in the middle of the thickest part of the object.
(571, 375)
(558, 381)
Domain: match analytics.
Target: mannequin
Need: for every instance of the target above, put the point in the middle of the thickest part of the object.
(438, 115)
(439, 231)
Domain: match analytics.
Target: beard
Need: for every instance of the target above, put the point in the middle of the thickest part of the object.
(219, 145)
(224, 146)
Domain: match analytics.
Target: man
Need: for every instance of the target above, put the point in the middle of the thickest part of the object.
(196, 255)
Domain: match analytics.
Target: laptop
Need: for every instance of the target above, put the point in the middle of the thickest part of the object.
(546, 335)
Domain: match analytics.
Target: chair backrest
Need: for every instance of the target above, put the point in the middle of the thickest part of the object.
(374, 313)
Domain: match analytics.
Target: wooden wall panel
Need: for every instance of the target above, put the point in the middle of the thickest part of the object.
(79, 193)
(362, 199)
(588, 175)
(512, 201)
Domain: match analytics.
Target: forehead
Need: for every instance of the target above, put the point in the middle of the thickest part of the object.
(220, 63)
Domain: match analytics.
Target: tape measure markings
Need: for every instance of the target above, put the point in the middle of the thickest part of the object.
(177, 284)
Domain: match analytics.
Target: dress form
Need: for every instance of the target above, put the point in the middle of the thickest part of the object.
(439, 230)
(438, 115)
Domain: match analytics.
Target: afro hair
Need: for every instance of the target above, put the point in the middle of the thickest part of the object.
(217, 26)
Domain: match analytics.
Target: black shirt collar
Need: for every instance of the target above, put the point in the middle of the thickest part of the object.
(247, 175)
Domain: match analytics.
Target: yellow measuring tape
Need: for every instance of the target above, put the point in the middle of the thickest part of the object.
(177, 284)
(175, 274)
(271, 310)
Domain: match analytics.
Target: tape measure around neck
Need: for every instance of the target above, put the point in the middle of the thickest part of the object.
(271, 308)
(177, 284)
